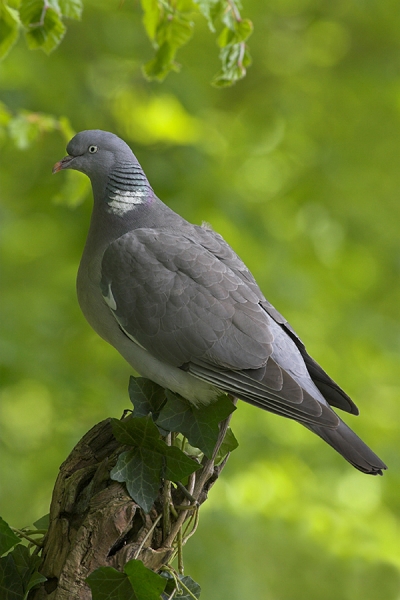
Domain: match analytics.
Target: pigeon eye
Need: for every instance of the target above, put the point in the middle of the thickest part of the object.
(92, 149)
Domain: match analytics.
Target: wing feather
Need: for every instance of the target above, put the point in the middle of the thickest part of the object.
(192, 303)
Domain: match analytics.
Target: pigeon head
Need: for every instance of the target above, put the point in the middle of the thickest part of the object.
(118, 181)
(94, 152)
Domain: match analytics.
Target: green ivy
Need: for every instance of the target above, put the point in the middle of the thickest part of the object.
(153, 456)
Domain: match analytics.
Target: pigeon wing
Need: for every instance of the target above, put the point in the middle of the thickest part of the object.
(334, 395)
(189, 308)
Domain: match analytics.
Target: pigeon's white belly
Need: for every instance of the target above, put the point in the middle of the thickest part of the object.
(170, 377)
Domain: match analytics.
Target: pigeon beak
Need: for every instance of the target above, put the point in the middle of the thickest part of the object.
(62, 164)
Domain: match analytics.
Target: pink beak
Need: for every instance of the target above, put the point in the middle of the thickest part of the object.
(62, 164)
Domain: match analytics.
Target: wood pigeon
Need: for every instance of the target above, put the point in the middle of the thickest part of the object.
(183, 309)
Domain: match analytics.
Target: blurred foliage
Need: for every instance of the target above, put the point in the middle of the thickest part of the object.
(168, 23)
(297, 167)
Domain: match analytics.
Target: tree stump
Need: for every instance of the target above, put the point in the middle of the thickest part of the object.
(95, 523)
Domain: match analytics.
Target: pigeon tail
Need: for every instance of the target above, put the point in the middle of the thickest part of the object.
(351, 447)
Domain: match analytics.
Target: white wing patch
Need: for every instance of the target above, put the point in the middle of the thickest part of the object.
(109, 299)
(123, 201)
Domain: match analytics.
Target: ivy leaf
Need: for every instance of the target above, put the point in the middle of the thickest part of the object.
(140, 469)
(191, 585)
(27, 564)
(146, 396)
(107, 583)
(136, 583)
(178, 465)
(23, 562)
(9, 28)
(199, 425)
(229, 444)
(43, 522)
(146, 584)
(35, 579)
(8, 539)
(182, 594)
(11, 587)
(150, 460)
(136, 431)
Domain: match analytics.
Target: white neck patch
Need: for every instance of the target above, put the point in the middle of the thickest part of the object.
(124, 200)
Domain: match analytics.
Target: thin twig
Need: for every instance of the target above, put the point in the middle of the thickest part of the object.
(197, 482)
(235, 10)
(180, 555)
(167, 500)
(208, 463)
(146, 537)
(27, 537)
(185, 492)
(193, 531)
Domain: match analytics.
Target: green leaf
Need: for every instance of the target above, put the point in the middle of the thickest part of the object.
(31, 11)
(151, 459)
(8, 539)
(178, 465)
(9, 28)
(199, 425)
(24, 562)
(43, 522)
(212, 11)
(140, 469)
(151, 17)
(162, 63)
(43, 25)
(146, 584)
(107, 583)
(191, 585)
(229, 444)
(26, 565)
(136, 431)
(146, 396)
(234, 58)
(182, 593)
(35, 579)
(239, 33)
(176, 31)
(11, 587)
(173, 30)
(136, 583)
(71, 9)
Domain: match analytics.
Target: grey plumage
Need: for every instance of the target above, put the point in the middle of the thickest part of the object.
(183, 309)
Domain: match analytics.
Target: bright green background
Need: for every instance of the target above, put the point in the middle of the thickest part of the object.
(297, 166)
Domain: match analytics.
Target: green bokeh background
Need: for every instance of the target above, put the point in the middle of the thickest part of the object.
(297, 166)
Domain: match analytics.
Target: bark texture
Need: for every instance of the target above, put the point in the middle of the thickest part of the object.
(95, 523)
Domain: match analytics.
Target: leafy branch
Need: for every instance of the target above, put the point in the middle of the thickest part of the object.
(169, 25)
